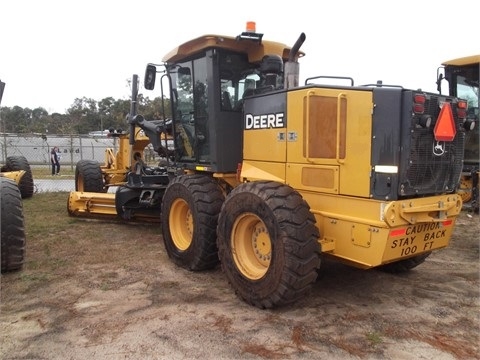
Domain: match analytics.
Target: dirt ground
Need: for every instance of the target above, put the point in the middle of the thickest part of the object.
(112, 293)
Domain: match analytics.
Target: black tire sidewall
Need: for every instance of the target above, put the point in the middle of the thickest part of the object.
(91, 173)
(204, 199)
(178, 191)
(12, 226)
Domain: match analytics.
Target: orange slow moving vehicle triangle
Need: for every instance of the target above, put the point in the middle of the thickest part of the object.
(445, 127)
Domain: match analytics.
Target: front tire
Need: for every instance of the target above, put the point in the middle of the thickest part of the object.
(190, 209)
(267, 242)
(12, 226)
(88, 177)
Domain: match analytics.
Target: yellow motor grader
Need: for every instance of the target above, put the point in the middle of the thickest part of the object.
(267, 176)
(462, 75)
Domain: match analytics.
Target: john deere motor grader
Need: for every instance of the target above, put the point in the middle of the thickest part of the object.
(462, 75)
(267, 176)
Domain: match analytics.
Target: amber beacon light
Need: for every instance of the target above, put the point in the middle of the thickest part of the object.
(251, 26)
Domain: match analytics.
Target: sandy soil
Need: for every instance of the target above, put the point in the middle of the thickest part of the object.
(103, 297)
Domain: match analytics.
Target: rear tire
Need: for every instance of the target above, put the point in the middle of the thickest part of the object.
(88, 177)
(16, 163)
(267, 243)
(190, 209)
(405, 265)
(12, 226)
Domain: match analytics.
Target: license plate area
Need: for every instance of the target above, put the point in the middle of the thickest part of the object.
(416, 239)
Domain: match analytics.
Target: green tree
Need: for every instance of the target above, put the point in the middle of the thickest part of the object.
(16, 119)
(119, 111)
(40, 120)
(154, 109)
(83, 116)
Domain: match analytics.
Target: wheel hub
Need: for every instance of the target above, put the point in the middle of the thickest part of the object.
(181, 224)
(261, 243)
(251, 246)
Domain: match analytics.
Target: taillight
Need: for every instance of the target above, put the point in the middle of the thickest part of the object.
(462, 109)
(419, 103)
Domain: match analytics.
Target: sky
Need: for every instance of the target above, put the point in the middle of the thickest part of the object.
(54, 51)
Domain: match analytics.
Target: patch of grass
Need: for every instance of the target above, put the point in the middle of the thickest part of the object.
(104, 286)
(33, 265)
(374, 338)
(33, 277)
(46, 214)
(46, 172)
(58, 263)
(56, 240)
(61, 250)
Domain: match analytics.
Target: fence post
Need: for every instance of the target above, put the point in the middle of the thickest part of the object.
(4, 148)
(81, 149)
(71, 152)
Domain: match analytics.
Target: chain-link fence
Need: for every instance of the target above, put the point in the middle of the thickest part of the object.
(72, 148)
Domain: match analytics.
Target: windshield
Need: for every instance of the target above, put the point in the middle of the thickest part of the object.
(467, 88)
(463, 82)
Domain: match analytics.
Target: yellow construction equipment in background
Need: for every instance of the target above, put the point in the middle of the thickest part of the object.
(463, 76)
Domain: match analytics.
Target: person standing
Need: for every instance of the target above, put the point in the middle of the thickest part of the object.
(54, 159)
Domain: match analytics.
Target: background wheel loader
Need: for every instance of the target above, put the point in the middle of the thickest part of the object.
(267, 176)
(16, 182)
(463, 77)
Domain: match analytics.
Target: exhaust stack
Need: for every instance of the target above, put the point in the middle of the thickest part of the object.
(292, 68)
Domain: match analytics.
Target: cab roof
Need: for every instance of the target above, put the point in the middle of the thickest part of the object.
(467, 60)
(255, 49)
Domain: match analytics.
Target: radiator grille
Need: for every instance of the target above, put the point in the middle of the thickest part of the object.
(433, 167)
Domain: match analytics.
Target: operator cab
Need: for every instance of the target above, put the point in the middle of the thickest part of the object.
(462, 75)
(208, 78)
(208, 93)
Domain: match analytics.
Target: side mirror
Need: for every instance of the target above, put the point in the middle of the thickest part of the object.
(440, 78)
(150, 74)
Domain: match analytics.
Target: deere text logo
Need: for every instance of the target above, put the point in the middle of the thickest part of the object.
(266, 121)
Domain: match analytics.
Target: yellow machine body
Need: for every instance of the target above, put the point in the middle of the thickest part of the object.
(118, 164)
(14, 175)
(324, 153)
